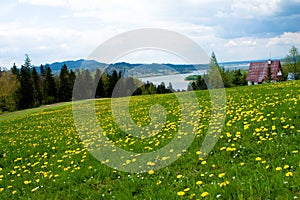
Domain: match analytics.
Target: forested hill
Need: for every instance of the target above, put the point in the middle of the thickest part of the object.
(140, 70)
(91, 64)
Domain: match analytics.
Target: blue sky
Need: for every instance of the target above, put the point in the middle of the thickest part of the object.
(57, 30)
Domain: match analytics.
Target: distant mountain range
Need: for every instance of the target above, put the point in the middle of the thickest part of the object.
(74, 65)
(144, 70)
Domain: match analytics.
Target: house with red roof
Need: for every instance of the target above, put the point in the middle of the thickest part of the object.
(258, 71)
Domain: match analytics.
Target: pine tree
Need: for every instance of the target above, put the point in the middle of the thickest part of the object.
(89, 85)
(225, 78)
(200, 83)
(237, 78)
(26, 90)
(84, 86)
(161, 89)
(99, 84)
(50, 91)
(72, 81)
(106, 84)
(65, 87)
(269, 74)
(114, 78)
(214, 73)
(15, 71)
(170, 88)
(42, 70)
(37, 94)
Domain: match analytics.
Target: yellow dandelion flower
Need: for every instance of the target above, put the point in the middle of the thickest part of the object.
(151, 172)
(295, 151)
(150, 163)
(1, 189)
(258, 159)
(158, 182)
(186, 189)
(223, 184)
(27, 182)
(203, 162)
(222, 148)
(165, 158)
(242, 163)
(179, 176)
(289, 174)
(267, 167)
(278, 168)
(14, 192)
(286, 166)
(199, 182)
(221, 175)
(180, 193)
(204, 194)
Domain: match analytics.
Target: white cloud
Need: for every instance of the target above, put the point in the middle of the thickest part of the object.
(48, 44)
(230, 43)
(45, 2)
(80, 26)
(248, 48)
(254, 8)
(286, 38)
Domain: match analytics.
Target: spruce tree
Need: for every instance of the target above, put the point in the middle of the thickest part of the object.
(42, 70)
(99, 84)
(114, 78)
(200, 83)
(237, 77)
(269, 74)
(72, 77)
(214, 71)
(89, 85)
(64, 88)
(50, 91)
(37, 94)
(15, 71)
(26, 90)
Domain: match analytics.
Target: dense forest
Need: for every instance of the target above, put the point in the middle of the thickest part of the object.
(30, 87)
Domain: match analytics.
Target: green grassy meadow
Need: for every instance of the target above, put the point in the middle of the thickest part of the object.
(256, 157)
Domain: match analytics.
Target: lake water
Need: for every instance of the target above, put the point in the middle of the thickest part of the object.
(177, 80)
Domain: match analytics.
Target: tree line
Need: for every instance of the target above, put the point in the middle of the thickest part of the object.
(29, 87)
(217, 77)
